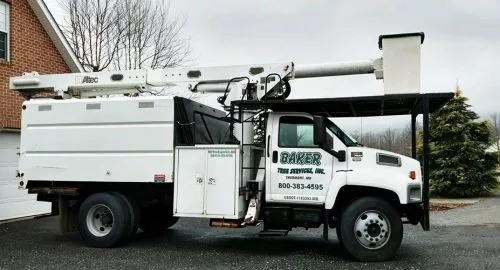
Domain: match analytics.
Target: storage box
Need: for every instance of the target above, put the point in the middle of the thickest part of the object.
(207, 182)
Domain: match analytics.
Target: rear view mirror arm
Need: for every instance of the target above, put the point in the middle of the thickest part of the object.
(340, 155)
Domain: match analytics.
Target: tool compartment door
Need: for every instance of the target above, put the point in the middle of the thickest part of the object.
(207, 181)
(190, 181)
(221, 182)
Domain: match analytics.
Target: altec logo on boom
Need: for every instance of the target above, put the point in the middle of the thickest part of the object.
(90, 79)
(300, 158)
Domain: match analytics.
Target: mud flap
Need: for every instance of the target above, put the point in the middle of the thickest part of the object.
(326, 225)
(68, 215)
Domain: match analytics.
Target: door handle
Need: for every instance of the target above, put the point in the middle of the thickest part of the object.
(275, 156)
(268, 144)
(199, 179)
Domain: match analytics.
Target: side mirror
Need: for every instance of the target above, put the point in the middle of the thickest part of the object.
(319, 130)
(341, 155)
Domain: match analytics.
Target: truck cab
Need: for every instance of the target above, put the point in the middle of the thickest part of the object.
(318, 174)
(304, 170)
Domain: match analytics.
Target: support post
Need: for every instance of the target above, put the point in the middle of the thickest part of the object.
(413, 135)
(425, 191)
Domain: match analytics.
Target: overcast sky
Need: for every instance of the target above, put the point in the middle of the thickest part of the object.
(462, 42)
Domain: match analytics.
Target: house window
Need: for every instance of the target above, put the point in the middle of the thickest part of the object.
(4, 31)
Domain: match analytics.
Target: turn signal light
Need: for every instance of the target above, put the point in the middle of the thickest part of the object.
(413, 175)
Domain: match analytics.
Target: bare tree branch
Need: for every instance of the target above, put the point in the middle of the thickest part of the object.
(495, 130)
(396, 140)
(124, 34)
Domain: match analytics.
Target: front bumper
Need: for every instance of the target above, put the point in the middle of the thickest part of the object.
(413, 212)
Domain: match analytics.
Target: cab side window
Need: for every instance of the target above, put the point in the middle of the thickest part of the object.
(296, 132)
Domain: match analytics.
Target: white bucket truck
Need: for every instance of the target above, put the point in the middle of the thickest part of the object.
(112, 159)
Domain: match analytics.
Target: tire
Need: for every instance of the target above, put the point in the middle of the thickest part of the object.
(134, 216)
(104, 219)
(156, 219)
(371, 229)
(339, 235)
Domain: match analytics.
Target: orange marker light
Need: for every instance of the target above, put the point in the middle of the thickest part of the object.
(413, 175)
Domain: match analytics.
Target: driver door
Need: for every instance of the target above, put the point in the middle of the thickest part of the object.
(300, 172)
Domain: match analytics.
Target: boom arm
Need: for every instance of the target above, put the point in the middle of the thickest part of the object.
(399, 67)
(138, 81)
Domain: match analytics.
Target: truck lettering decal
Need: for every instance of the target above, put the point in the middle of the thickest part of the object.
(301, 198)
(221, 153)
(300, 186)
(300, 158)
(301, 171)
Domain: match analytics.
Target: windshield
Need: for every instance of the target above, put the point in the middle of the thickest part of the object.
(345, 138)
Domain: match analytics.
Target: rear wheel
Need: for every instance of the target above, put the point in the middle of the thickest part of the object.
(104, 220)
(370, 229)
(134, 215)
(156, 219)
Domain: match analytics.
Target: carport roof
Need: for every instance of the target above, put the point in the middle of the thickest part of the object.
(363, 106)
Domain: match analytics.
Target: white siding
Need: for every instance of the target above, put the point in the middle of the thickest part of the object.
(15, 203)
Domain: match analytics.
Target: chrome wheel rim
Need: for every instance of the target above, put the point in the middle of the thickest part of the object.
(100, 220)
(372, 229)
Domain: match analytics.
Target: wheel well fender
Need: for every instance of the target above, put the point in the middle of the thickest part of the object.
(348, 193)
(339, 180)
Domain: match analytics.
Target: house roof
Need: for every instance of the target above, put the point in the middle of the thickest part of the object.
(52, 28)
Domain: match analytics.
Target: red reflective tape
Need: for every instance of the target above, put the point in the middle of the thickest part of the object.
(159, 178)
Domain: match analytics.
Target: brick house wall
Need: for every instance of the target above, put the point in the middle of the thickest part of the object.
(31, 49)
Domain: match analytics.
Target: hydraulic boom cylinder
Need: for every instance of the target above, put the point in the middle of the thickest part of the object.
(334, 69)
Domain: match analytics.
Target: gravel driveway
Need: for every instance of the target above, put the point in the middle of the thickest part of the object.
(464, 238)
(191, 244)
(485, 212)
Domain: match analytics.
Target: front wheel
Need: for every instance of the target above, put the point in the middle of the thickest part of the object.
(371, 229)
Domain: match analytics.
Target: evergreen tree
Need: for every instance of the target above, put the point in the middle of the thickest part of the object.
(459, 165)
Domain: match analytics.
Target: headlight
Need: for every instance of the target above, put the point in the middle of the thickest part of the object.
(414, 193)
